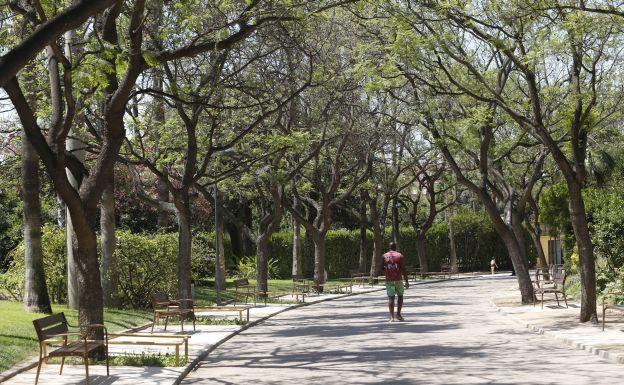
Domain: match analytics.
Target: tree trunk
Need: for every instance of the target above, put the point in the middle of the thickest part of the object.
(220, 254)
(163, 196)
(454, 267)
(89, 288)
(421, 249)
(76, 147)
(376, 262)
(319, 257)
(110, 276)
(297, 252)
(236, 239)
(586, 253)
(363, 239)
(262, 263)
(36, 298)
(183, 214)
(395, 222)
(60, 212)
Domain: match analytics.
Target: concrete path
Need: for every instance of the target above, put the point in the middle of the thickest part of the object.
(452, 335)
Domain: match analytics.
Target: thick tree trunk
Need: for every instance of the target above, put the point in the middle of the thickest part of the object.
(319, 257)
(183, 214)
(586, 253)
(453, 248)
(516, 226)
(421, 250)
(110, 276)
(236, 239)
(36, 298)
(297, 252)
(507, 235)
(363, 238)
(90, 298)
(76, 147)
(262, 263)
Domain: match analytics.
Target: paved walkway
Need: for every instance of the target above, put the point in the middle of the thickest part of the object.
(452, 336)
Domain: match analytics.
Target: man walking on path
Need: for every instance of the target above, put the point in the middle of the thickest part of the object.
(395, 268)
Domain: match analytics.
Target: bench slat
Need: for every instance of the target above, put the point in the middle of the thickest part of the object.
(45, 322)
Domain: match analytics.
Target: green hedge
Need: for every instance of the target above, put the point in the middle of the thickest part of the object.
(148, 262)
(475, 238)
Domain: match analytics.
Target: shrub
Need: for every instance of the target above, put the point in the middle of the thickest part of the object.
(248, 268)
(54, 248)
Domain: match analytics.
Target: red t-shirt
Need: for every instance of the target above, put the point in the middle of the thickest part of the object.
(393, 264)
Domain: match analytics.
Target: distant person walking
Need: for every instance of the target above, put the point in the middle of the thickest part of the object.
(394, 265)
(493, 265)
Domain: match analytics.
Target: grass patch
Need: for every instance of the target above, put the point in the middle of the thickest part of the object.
(155, 360)
(17, 334)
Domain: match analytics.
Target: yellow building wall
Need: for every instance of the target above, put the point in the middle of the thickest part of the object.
(544, 241)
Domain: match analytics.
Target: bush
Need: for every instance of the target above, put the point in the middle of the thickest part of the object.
(54, 248)
(248, 268)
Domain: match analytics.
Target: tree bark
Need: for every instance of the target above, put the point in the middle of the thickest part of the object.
(262, 263)
(110, 276)
(363, 235)
(297, 252)
(319, 257)
(183, 214)
(220, 254)
(421, 250)
(395, 222)
(376, 262)
(36, 298)
(454, 267)
(586, 253)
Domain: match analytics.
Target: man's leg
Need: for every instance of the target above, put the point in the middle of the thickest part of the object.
(391, 307)
(399, 306)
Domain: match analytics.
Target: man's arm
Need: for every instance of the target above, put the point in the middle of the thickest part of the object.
(404, 271)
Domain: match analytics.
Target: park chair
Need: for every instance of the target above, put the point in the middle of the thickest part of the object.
(610, 302)
(165, 307)
(550, 283)
(55, 329)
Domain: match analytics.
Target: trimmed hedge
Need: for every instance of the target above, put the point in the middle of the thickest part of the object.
(475, 238)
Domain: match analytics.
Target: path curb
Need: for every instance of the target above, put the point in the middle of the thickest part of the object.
(602, 353)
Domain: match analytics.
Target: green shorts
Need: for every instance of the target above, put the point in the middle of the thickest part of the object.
(394, 288)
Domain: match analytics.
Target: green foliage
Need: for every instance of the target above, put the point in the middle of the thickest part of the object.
(248, 267)
(54, 251)
(554, 210)
(148, 263)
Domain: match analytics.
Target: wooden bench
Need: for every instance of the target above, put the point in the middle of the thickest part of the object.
(235, 309)
(611, 306)
(55, 329)
(175, 340)
(244, 289)
(165, 307)
(362, 278)
(445, 270)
